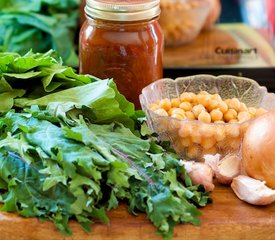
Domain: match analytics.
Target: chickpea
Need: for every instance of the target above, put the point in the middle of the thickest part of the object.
(178, 116)
(161, 125)
(161, 112)
(190, 115)
(232, 130)
(153, 106)
(157, 102)
(230, 114)
(186, 97)
(212, 105)
(175, 102)
(211, 151)
(216, 115)
(223, 107)
(243, 116)
(208, 143)
(204, 117)
(178, 6)
(220, 133)
(203, 93)
(161, 130)
(216, 97)
(233, 121)
(243, 108)
(176, 111)
(194, 4)
(206, 130)
(194, 99)
(185, 7)
(165, 104)
(197, 109)
(235, 104)
(195, 137)
(171, 111)
(204, 99)
(193, 151)
(186, 129)
(186, 106)
(221, 121)
(227, 101)
(186, 142)
(186, 27)
(177, 145)
(252, 111)
(174, 125)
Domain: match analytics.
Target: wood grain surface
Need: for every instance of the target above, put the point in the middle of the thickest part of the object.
(227, 218)
(202, 51)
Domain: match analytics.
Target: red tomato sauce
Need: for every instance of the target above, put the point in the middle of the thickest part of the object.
(130, 53)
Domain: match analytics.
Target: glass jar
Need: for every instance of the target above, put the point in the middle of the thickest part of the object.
(82, 17)
(122, 40)
(183, 20)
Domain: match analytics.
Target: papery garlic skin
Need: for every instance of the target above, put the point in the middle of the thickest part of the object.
(212, 161)
(200, 173)
(252, 191)
(226, 168)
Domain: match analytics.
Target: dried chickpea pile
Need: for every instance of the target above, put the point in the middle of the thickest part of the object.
(196, 138)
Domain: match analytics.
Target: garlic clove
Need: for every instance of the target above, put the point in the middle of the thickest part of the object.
(252, 191)
(200, 173)
(228, 168)
(212, 161)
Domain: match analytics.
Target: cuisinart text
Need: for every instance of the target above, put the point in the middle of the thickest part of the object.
(220, 50)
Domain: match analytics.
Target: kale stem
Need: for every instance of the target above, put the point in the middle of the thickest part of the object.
(143, 174)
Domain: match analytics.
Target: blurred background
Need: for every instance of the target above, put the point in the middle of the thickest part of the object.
(237, 37)
(256, 13)
(207, 36)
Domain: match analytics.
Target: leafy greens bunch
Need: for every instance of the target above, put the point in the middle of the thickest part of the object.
(72, 147)
(40, 25)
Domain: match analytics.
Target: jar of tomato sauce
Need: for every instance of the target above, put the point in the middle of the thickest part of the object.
(82, 17)
(122, 40)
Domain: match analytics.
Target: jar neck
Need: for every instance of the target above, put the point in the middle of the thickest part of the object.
(118, 24)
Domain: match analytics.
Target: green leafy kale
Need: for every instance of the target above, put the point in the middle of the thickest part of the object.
(72, 147)
(80, 161)
(25, 194)
(40, 25)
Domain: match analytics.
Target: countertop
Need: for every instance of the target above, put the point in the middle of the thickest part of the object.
(227, 218)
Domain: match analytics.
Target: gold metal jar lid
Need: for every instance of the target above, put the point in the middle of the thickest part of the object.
(122, 10)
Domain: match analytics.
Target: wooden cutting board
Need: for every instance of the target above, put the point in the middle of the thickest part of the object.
(227, 218)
